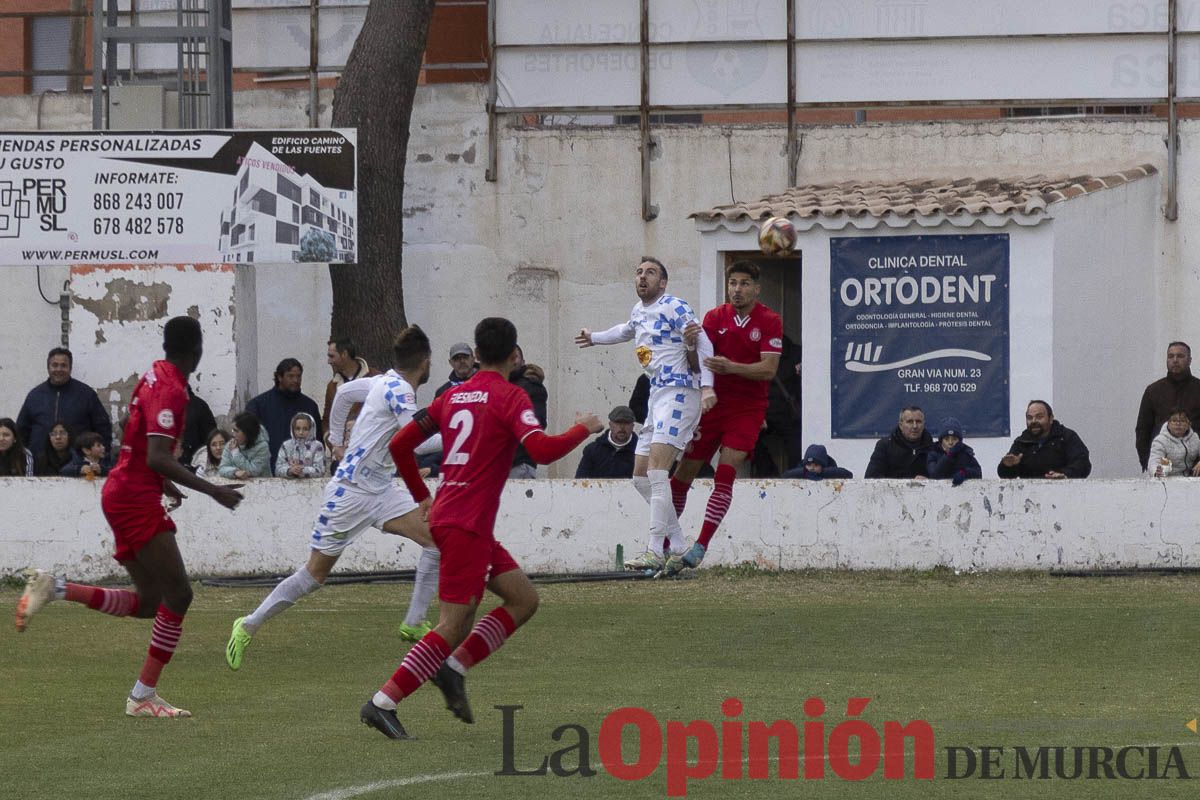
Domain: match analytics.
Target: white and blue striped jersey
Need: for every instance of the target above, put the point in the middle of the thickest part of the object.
(389, 402)
(657, 331)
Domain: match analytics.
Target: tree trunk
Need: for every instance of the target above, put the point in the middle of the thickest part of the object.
(375, 95)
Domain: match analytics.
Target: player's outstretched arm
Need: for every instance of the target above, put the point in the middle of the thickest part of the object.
(614, 335)
(160, 458)
(545, 449)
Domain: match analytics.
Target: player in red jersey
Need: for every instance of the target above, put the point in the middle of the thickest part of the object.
(747, 338)
(482, 421)
(144, 533)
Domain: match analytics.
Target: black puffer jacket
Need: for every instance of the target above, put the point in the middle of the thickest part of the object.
(1061, 451)
(897, 457)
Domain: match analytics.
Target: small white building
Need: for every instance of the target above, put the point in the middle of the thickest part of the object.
(967, 297)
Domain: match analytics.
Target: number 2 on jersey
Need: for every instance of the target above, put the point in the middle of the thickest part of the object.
(463, 422)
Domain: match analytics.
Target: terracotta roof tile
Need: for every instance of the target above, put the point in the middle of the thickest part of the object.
(923, 198)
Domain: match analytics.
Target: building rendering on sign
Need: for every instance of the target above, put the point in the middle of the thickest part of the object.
(278, 215)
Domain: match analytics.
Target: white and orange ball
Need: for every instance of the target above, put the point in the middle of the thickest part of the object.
(777, 236)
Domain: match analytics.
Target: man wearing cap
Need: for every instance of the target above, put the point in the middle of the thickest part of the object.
(462, 366)
(610, 455)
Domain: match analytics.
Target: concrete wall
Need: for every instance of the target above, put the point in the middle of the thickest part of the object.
(567, 526)
(552, 242)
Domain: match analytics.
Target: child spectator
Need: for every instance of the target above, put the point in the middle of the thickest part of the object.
(303, 455)
(15, 459)
(818, 466)
(91, 458)
(56, 451)
(952, 458)
(247, 454)
(1176, 449)
(207, 462)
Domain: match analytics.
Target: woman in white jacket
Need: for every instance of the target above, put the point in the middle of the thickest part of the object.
(1176, 450)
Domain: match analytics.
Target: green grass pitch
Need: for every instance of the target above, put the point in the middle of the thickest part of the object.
(986, 660)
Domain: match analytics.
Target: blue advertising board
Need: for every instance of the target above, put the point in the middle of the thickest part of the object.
(919, 321)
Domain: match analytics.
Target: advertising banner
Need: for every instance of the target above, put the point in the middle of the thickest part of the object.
(919, 321)
(178, 197)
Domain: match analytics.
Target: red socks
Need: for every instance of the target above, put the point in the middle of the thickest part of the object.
(679, 493)
(418, 666)
(718, 503)
(486, 637)
(164, 638)
(117, 602)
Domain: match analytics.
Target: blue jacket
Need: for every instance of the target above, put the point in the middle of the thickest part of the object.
(957, 465)
(829, 468)
(275, 409)
(74, 403)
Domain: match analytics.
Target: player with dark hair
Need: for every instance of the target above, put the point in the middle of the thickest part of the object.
(484, 420)
(144, 533)
(362, 493)
(747, 338)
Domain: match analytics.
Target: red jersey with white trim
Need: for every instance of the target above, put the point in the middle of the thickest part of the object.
(482, 421)
(157, 409)
(744, 340)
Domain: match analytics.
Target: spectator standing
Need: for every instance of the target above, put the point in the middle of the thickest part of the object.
(347, 365)
(61, 397)
(1175, 452)
(247, 454)
(610, 455)
(91, 458)
(462, 366)
(952, 458)
(532, 380)
(1178, 390)
(198, 422)
(275, 407)
(56, 452)
(1046, 449)
(207, 462)
(905, 453)
(818, 465)
(301, 456)
(15, 459)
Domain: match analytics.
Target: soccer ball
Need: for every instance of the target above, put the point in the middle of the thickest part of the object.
(777, 236)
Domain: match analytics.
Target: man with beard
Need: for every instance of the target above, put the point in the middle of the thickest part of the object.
(1046, 449)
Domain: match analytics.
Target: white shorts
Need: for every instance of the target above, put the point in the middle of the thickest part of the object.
(346, 512)
(671, 417)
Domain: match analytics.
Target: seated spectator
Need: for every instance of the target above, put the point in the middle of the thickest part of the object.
(275, 407)
(56, 451)
(301, 456)
(610, 455)
(207, 461)
(952, 458)
(1176, 449)
(15, 460)
(1046, 449)
(91, 458)
(904, 454)
(248, 453)
(61, 397)
(818, 465)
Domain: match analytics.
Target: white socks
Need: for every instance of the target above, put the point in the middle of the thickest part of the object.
(424, 585)
(642, 484)
(662, 512)
(281, 598)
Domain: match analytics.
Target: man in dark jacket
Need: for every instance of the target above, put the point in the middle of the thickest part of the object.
(905, 453)
(1047, 448)
(1179, 389)
(531, 379)
(198, 423)
(276, 406)
(462, 366)
(819, 466)
(610, 455)
(61, 398)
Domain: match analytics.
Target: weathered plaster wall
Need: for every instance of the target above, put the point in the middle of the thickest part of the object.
(567, 526)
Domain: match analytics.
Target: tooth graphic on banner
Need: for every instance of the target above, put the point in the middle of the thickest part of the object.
(862, 358)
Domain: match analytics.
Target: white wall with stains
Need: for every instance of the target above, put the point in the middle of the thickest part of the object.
(569, 526)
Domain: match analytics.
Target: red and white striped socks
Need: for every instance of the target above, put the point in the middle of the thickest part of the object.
(419, 665)
(718, 503)
(116, 602)
(488, 635)
(164, 638)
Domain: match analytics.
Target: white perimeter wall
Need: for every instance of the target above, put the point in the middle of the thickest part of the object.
(554, 241)
(567, 526)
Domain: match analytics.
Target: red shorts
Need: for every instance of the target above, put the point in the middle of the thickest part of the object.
(729, 424)
(469, 561)
(134, 522)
